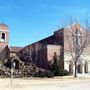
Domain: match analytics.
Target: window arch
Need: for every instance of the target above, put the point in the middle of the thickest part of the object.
(79, 66)
(86, 67)
(3, 37)
(78, 38)
(71, 67)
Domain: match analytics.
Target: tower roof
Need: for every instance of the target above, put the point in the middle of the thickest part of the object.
(3, 26)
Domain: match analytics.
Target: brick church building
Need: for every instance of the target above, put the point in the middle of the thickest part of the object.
(42, 52)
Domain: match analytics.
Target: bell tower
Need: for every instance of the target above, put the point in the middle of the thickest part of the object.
(4, 41)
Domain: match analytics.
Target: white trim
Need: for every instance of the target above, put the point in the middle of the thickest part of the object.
(1, 30)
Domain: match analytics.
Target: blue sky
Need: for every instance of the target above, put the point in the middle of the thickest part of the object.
(32, 20)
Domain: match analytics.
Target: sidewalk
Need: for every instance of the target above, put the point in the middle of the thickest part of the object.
(84, 75)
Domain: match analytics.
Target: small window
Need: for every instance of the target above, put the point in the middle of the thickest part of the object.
(3, 37)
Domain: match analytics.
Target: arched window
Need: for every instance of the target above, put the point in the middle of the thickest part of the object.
(86, 67)
(79, 66)
(78, 38)
(3, 37)
(71, 67)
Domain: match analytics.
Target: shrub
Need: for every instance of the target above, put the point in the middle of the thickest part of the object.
(63, 72)
(44, 73)
(57, 71)
(49, 74)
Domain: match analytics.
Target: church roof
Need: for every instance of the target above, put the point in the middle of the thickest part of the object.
(15, 49)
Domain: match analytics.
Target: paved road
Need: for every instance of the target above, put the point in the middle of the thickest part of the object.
(46, 84)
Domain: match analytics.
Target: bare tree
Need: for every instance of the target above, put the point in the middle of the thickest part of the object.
(77, 41)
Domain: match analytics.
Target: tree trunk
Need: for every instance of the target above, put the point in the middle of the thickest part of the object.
(75, 75)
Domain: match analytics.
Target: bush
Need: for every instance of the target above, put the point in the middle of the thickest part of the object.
(44, 73)
(63, 72)
(2, 72)
(49, 74)
(57, 71)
